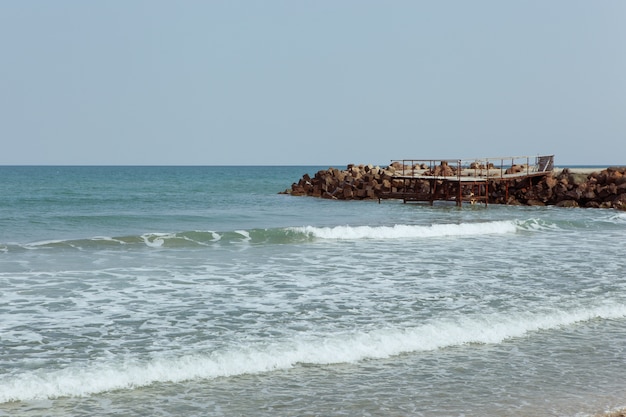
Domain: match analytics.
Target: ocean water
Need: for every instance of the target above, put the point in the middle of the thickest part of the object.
(201, 291)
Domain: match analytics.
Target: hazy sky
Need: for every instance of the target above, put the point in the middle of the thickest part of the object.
(311, 82)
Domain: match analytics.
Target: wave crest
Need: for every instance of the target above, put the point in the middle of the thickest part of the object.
(286, 235)
(402, 231)
(349, 347)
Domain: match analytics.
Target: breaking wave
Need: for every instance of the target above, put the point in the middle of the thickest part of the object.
(348, 347)
(408, 231)
(287, 235)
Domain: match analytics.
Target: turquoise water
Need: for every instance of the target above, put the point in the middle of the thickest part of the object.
(171, 291)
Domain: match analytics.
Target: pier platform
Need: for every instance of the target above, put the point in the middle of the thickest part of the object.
(461, 180)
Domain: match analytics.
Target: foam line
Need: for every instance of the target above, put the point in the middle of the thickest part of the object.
(409, 231)
(347, 347)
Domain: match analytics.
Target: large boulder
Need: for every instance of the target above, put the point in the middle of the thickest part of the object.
(619, 202)
(567, 203)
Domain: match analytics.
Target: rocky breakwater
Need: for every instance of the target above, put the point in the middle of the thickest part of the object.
(356, 182)
(564, 188)
(569, 188)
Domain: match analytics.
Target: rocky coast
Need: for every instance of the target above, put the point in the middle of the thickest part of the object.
(568, 187)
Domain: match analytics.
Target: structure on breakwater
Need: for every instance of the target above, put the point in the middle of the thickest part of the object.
(511, 180)
(461, 180)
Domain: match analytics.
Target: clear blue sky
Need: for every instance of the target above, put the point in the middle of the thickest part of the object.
(325, 82)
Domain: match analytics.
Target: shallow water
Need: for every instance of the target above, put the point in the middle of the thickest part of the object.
(201, 291)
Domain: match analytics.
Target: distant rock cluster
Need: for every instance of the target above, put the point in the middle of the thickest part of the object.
(355, 182)
(602, 189)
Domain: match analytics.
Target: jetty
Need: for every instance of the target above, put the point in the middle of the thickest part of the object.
(530, 181)
(462, 180)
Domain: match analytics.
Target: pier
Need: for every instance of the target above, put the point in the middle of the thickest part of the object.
(458, 180)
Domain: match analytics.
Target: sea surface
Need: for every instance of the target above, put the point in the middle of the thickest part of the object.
(202, 291)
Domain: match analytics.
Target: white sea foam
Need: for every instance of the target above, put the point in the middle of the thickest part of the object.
(536, 225)
(108, 239)
(401, 231)
(245, 234)
(155, 240)
(35, 245)
(619, 217)
(344, 347)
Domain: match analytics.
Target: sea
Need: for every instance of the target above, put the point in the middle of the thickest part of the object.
(204, 291)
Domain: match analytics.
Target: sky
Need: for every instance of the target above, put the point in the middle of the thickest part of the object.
(297, 82)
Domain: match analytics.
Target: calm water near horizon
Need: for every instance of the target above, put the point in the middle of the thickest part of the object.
(202, 291)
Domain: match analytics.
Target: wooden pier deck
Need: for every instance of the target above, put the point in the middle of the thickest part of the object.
(461, 180)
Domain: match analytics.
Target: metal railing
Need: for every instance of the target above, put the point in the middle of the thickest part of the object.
(487, 168)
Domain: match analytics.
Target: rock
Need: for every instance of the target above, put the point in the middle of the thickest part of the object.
(589, 195)
(567, 203)
(619, 202)
(551, 182)
(512, 201)
(574, 194)
(577, 179)
(515, 169)
(533, 202)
